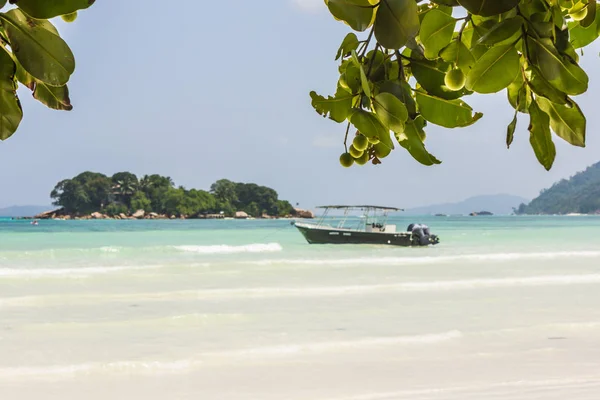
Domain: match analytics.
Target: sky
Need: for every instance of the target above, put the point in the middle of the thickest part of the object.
(200, 92)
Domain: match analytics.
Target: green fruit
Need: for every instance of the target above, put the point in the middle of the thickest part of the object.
(354, 152)
(69, 17)
(362, 160)
(373, 140)
(381, 150)
(578, 15)
(360, 142)
(455, 79)
(346, 160)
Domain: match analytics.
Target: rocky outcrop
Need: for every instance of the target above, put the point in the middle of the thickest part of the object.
(241, 215)
(49, 214)
(139, 214)
(300, 213)
(97, 215)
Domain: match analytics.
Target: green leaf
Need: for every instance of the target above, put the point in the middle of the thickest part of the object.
(338, 108)
(590, 18)
(390, 111)
(488, 8)
(540, 137)
(412, 140)
(364, 81)
(519, 95)
(567, 122)
(352, 77)
(53, 97)
(494, 70)
(507, 30)
(510, 131)
(375, 61)
(350, 43)
(540, 86)
(458, 53)
(559, 70)
(580, 35)
(2, 3)
(402, 91)
(431, 75)
(358, 14)
(45, 9)
(11, 112)
(42, 53)
(396, 22)
(370, 126)
(24, 77)
(446, 113)
(436, 32)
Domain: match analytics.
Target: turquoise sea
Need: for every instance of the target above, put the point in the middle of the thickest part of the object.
(504, 307)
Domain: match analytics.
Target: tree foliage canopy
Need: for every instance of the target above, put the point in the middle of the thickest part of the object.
(123, 193)
(579, 194)
(419, 59)
(33, 54)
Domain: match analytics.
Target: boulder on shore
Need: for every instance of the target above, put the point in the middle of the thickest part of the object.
(48, 214)
(123, 216)
(241, 215)
(300, 213)
(97, 215)
(139, 214)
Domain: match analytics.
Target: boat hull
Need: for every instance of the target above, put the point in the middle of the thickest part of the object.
(323, 235)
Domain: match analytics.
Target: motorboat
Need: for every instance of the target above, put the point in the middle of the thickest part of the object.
(370, 228)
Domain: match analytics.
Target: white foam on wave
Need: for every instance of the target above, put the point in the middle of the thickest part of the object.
(110, 249)
(433, 259)
(69, 272)
(228, 249)
(307, 292)
(55, 372)
(322, 347)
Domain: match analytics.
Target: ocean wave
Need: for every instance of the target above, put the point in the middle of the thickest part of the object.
(322, 347)
(308, 292)
(432, 259)
(228, 249)
(69, 272)
(183, 366)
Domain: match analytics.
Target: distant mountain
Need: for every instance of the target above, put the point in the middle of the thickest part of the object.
(578, 194)
(23, 211)
(500, 204)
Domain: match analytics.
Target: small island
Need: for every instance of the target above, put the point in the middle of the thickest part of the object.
(92, 195)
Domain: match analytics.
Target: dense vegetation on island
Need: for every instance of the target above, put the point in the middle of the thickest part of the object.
(579, 194)
(124, 193)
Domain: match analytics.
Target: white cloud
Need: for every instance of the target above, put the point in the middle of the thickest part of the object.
(309, 5)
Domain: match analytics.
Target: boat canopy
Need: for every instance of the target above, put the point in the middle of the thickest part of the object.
(338, 207)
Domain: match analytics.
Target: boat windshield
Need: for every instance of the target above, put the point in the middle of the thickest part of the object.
(354, 217)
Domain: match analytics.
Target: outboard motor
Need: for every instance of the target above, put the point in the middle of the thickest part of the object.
(420, 234)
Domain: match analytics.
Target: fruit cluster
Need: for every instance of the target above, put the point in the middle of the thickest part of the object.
(364, 149)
